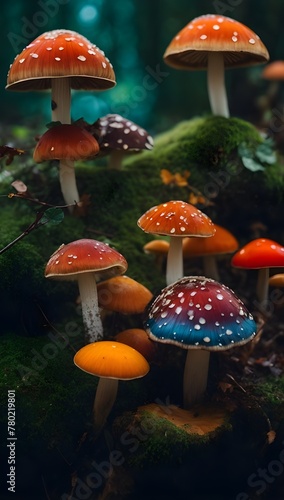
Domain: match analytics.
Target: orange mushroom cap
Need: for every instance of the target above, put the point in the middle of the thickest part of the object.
(176, 218)
(83, 256)
(274, 71)
(65, 142)
(276, 280)
(139, 340)
(61, 54)
(259, 253)
(110, 359)
(222, 242)
(123, 294)
(212, 32)
(157, 247)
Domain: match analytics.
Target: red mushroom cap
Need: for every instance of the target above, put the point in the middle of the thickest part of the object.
(259, 253)
(176, 218)
(65, 142)
(83, 256)
(61, 54)
(212, 32)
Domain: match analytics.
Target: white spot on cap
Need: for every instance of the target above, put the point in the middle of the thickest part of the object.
(207, 307)
(216, 27)
(178, 310)
(229, 332)
(203, 37)
(81, 58)
(57, 59)
(35, 56)
(234, 39)
(206, 339)
(197, 327)
(252, 41)
(202, 321)
(219, 296)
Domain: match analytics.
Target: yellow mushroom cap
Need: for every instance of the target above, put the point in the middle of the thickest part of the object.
(111, 359)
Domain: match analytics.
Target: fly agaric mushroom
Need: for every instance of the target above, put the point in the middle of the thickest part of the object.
(61, 60)
(222, 242)
(261, 254)
(66, 143)
(118, 136)
(201, 315)
(124, 295)
(111, 361)
(86, 261)
(176, 219)
(214, 42)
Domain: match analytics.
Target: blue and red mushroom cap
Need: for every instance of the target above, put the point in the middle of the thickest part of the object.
(196, 312)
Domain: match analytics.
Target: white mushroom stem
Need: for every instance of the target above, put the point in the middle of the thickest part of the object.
(104, 400)
(195, 376)
(61, 100)
(210, 267)
(61, 106)
(216, 84)
(262, 284)
(68, 183)
(174, 269)
(90, 309)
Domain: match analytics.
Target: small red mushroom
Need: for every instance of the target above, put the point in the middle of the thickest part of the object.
(261, 253)
(176, 219)
(86, 261)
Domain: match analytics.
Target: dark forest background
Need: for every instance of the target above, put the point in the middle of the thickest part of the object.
(134, 35)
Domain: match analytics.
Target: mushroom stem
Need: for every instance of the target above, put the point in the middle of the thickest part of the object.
(195, 376)
(60, 100)
(115, 160)
(90, 309)
(262, 284)
(210, 267)
(174, 260)
(68, 183)
(104, 400)
(61, 105)
(216, 84)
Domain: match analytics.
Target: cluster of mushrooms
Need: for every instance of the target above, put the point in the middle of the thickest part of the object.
(196, 313)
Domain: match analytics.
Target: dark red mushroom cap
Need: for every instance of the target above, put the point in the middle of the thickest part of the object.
(83, 256)
(65, 142)
(117, 133)
(61, 54)
(259, 253)
(199, 313)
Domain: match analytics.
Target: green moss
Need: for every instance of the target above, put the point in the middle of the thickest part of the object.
(53, 397)
(269, 394)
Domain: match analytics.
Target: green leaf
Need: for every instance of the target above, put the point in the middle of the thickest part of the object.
(265, 153)
(53, 216)
(244, 151)
(251, 164)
